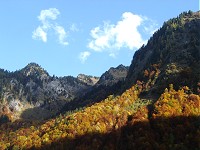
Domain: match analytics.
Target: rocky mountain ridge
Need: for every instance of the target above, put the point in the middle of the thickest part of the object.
(32, 87)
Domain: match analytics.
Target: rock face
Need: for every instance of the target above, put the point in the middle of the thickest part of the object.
(171, 56)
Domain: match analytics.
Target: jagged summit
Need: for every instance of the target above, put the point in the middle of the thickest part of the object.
(121, 66)
(113, 75)
(33, 69)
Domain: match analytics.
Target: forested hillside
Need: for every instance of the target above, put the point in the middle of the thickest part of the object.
(171, 56)
(122, 122)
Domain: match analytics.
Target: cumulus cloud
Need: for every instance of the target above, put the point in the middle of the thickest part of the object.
(124, 34)
(50, 13)
(48, 23)
(84, 56)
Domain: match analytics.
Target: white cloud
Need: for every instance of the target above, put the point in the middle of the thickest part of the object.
(50, 13)
(126, 31)
(48, 20)
(61, 34)
(40, 34)
(84, 56)
(123, 34)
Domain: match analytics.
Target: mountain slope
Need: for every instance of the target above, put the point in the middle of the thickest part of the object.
(123, 122)
(172, 55)
(33, 87)
(109, 83)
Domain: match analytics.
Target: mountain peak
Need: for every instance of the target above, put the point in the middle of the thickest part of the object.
(33, 69)
(122, 67)
(33, 64)
(114, 75)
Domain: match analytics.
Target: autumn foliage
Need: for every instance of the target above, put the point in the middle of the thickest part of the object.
(118, 122)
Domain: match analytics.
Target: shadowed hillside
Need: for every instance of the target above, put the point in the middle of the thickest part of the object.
(139, 135)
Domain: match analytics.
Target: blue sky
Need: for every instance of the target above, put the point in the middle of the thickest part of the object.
(72, 37)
